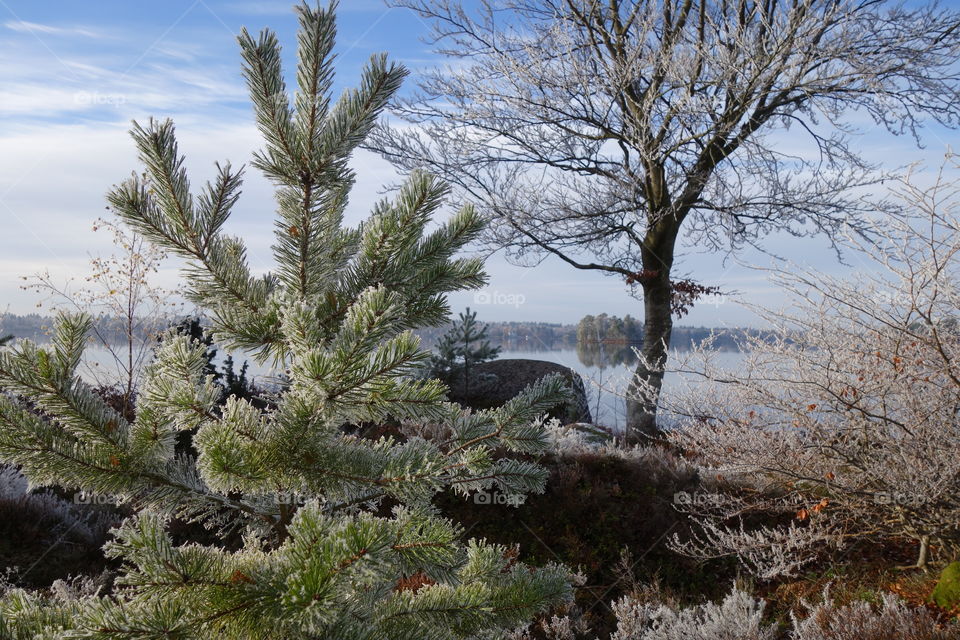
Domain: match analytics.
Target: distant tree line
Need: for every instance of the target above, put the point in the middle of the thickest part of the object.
(525, 336)
(37, 327)
(604, 329)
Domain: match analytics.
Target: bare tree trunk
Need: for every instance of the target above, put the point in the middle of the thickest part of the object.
(644, 390)
(922, 555)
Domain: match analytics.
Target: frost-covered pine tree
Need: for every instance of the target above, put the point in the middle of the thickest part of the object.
(340, 537)
(464, 345)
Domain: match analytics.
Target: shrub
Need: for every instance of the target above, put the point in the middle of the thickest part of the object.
(45, 536)
(740, 616)
(860, 621)
(842, 422)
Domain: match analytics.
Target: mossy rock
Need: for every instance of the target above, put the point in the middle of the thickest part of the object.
(946, 594)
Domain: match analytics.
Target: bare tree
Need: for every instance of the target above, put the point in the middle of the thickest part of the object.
(848, 422)
(611, 133)
(129, 308)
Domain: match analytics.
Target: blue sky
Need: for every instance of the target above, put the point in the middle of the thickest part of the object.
(74, 74)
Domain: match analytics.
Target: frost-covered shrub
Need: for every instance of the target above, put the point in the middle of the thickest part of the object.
(88, 522)
(739, 616)
(765, 551)
(860, 621)
(569, 441)
(843, 418)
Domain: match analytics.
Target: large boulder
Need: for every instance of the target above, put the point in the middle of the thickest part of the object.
(493, 383)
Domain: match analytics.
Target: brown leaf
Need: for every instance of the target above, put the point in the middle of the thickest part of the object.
(414, 583)
(240, 576)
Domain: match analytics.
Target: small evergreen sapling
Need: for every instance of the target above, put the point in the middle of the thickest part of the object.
(232, 382)
(463, 346)
(319, 560)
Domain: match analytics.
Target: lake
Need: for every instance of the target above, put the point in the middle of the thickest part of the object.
(606, 378)
(606, 373)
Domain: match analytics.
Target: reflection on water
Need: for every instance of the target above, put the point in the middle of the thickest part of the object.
(600, 355)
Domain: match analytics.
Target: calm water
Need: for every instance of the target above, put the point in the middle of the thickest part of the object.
(605, 375)
(606, 384)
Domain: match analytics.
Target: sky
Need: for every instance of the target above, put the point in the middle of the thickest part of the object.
(73, 75)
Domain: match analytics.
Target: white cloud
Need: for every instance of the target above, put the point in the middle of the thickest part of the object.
(282, 8)
(54, 177)
(35, 28)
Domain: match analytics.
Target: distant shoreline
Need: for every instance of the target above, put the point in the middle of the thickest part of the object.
(529, 336)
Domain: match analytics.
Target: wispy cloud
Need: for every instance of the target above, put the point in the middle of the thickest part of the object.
(186, 73)
(36, 27)
(280, 8)
(259, 8)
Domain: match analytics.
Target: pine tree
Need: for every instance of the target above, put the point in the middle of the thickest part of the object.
(236, 384)
(232, 382)
(464, 345)
(321, 559)
(193, 329)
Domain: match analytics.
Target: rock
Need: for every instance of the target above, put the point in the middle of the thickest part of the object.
(493, 383)
(946, 594)
(592, 433)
